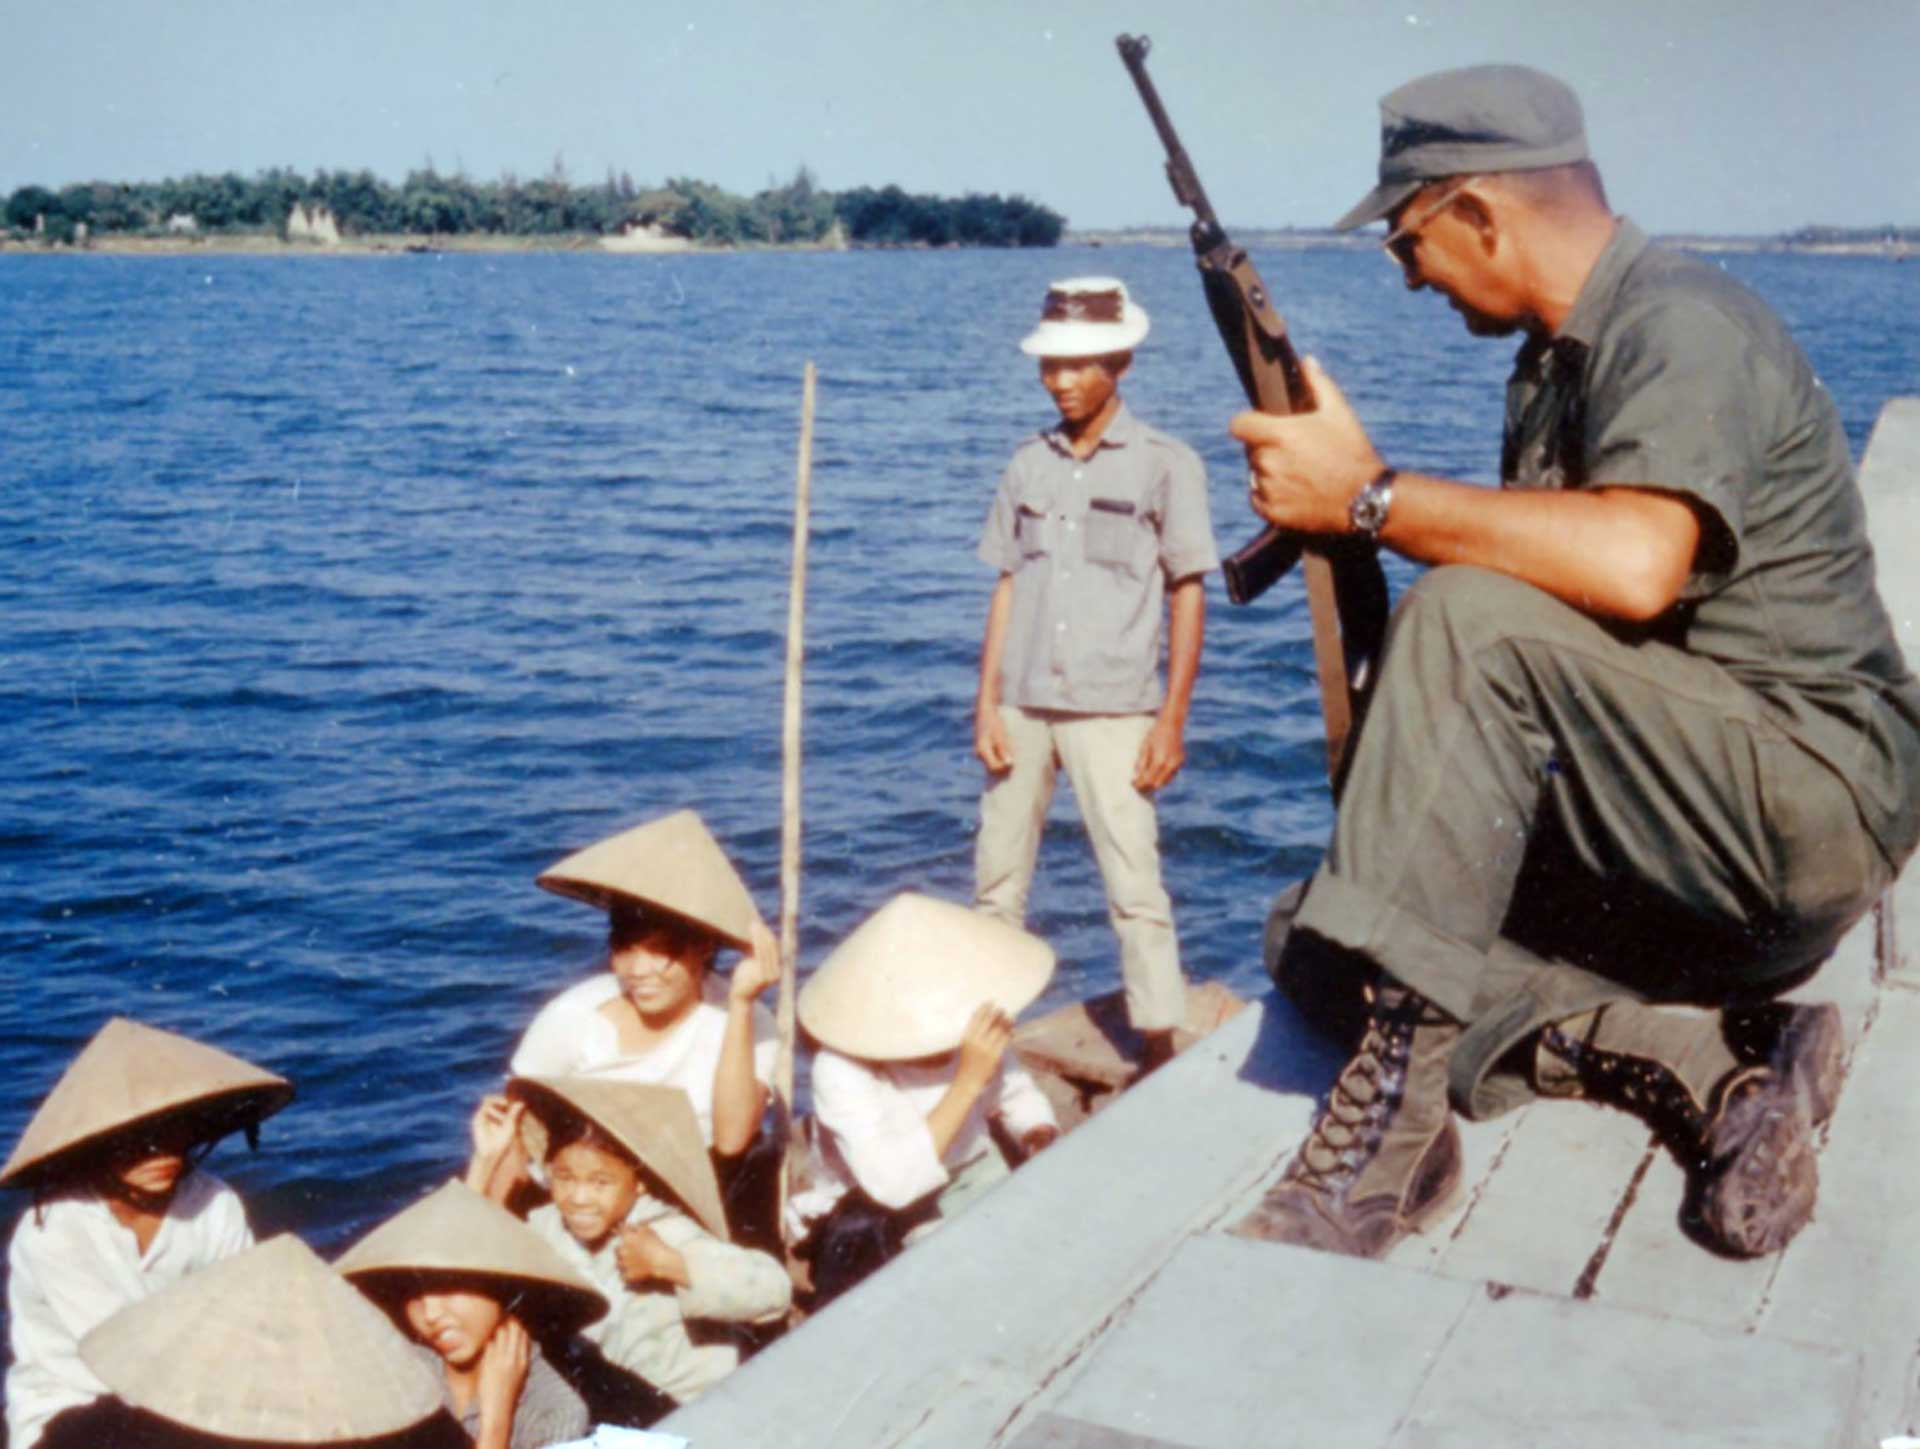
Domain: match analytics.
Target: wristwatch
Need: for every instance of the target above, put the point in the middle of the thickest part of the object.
(1368, 511)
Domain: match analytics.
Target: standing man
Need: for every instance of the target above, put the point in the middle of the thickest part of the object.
(1100, 525)
(1642, 738)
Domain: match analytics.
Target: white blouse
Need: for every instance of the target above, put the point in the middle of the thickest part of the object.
(874, 1116)
(572, 1037)
(72, 1265)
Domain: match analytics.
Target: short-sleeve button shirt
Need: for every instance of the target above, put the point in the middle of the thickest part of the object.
(1670, 375)
(1092, 545)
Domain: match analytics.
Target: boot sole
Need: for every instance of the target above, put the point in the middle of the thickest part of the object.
(1757, 1186)
(1806, 1043)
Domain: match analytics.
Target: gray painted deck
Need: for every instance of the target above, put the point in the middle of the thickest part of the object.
(1095, 1299)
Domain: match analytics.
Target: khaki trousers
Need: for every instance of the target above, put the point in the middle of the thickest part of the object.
(1098, 752)
(1544, 815)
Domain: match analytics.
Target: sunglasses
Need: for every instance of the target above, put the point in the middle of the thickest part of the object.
(1404, 240)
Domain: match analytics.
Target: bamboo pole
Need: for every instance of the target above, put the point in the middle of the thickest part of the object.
(790, 790)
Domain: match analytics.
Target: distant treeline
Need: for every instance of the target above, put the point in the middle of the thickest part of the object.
(1829, 236)
(429, 203)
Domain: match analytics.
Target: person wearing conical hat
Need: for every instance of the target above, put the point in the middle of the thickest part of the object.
(660, 1013)
(1101, 536)
(121, 1209)
(637, 1211)
(268, 1349)
(479, 1290)
(912, 1016)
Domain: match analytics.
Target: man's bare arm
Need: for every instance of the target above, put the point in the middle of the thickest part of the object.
(1618, 551)
(1164, 750)
(990, 740)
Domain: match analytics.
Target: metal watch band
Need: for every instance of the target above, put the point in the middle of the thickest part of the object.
(1368, 511)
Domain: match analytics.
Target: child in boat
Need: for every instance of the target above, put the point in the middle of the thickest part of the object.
(912, 1015)
(636, 1210)
(120, 1210)
(479, 1290)
(267, 1349)
(661, 1014)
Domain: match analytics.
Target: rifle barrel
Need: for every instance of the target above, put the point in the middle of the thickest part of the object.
(1180, 173)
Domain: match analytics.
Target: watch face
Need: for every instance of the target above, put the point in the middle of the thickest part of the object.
(1369, 511)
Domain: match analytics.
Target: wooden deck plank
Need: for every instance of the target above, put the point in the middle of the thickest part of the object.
(1525, 1370)
(1854, 1275)
(1057, 1431)
(1239, 1343)
(1890, 485)
(1547, 1205)
(1482, 1146)
(948, 1344)
(1650, 1254)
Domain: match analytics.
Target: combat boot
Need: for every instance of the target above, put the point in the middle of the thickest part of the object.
(1383, 1156)
(1735, 1095)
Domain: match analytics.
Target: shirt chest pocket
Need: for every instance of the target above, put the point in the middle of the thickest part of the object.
(1116, 534)
(1034, 523)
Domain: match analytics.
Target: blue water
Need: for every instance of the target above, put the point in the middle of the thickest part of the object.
(341, 595)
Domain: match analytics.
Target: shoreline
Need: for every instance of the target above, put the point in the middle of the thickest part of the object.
(1285, 239)
(404, 244)
(267, 244)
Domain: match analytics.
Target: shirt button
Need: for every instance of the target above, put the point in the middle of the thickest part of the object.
(1069, 525)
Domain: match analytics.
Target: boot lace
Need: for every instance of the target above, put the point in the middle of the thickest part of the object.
(1636, 1084)
(1353, 1120)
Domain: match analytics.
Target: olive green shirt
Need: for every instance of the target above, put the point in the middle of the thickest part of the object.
(1670, 375)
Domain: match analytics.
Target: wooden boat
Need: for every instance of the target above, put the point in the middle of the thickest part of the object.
(1098, 1298)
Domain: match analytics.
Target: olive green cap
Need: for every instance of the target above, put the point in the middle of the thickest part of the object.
(1466, 122)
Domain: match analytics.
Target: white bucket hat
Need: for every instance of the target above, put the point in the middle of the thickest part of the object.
(672, 864)
(456, 1236)
(1087, 317)
(911, 976)
(271, 1345)
(132, 1076)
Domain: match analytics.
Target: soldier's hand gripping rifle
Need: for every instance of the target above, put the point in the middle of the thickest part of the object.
(1346, 592)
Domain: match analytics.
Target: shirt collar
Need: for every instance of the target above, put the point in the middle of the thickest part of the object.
(1597, 293)
(1122, 430)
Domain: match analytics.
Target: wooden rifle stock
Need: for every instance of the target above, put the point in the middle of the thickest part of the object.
(1346, 592)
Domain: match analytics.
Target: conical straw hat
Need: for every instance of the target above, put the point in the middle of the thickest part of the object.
(656, 1124)
(910, 977)
(128, 1074)
(270, 1345)
(672, 864)
(456, 1234)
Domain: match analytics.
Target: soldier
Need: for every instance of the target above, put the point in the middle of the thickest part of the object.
(1648, 697)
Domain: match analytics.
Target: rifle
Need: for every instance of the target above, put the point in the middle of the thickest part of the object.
(1346, 591)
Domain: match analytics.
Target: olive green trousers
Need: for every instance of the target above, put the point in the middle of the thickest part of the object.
(1544, 814)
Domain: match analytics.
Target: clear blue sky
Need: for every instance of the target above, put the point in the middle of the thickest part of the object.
(1708, 115)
